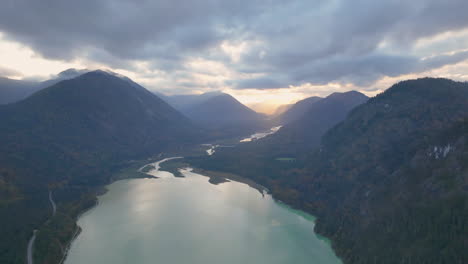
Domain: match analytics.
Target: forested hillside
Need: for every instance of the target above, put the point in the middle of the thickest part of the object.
(69, 139)
(389, 184)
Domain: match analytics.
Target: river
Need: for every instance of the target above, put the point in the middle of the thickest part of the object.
(260, 135)
(188, 220)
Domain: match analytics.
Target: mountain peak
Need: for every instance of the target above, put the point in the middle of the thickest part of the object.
(346, 94)
(297, 110)
(213, 93)
(103, 72)
(224, 96)
(224, 112)
(71, 73)
(101, 103)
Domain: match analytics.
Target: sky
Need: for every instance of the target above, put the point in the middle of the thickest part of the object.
(263, 52)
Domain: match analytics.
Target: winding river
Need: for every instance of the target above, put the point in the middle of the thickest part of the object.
(188, 220)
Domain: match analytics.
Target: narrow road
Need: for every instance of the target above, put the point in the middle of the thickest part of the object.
(30, 251)
(29, 254)
(54, 206)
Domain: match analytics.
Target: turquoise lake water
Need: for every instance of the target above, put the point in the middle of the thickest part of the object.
(188, 220)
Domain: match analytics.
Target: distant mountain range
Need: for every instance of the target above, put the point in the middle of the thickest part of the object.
(73, 135)
(220, 113)
(389, 184)
(95, 105)
(304, 125)
(387, 177)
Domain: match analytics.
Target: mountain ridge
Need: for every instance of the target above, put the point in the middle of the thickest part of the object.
(388, 183)
(71, 138)
(296, 111)
(12, 90)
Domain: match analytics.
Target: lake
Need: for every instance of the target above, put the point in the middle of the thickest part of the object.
(188, 220)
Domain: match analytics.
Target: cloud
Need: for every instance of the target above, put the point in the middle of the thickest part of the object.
(358, 41)
(132, 30)
(260, 44)
(6, 72)
(260, 83)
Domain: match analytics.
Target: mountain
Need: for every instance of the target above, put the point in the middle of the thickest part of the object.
(221, 110)
(225, 115)
(70, 74)
(70, 138)
(388, 184)
(96, 112)
(297, 110)
(292, 140)
(391, 179)
(15, 90)
(219, 113)
(186, 101)
(89, 107)
(306, 131)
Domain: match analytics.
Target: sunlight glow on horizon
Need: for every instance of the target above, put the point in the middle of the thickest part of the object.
(27, 63)
(208, 75)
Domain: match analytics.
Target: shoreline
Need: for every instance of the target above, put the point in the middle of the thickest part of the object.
(296, 210)
(78, 229)
(226, 177)
(67, 248)
(215, 178)
(102, 190)
(218, 177)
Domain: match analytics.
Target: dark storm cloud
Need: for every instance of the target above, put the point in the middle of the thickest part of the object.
(361, 71)
(365, 69)
(125, 29)
(289, 42)
(345, 44)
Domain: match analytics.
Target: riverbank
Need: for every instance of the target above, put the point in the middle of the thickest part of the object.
(56, 234)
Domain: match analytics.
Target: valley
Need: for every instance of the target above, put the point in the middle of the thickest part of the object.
(251, 132)
(358, 164)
